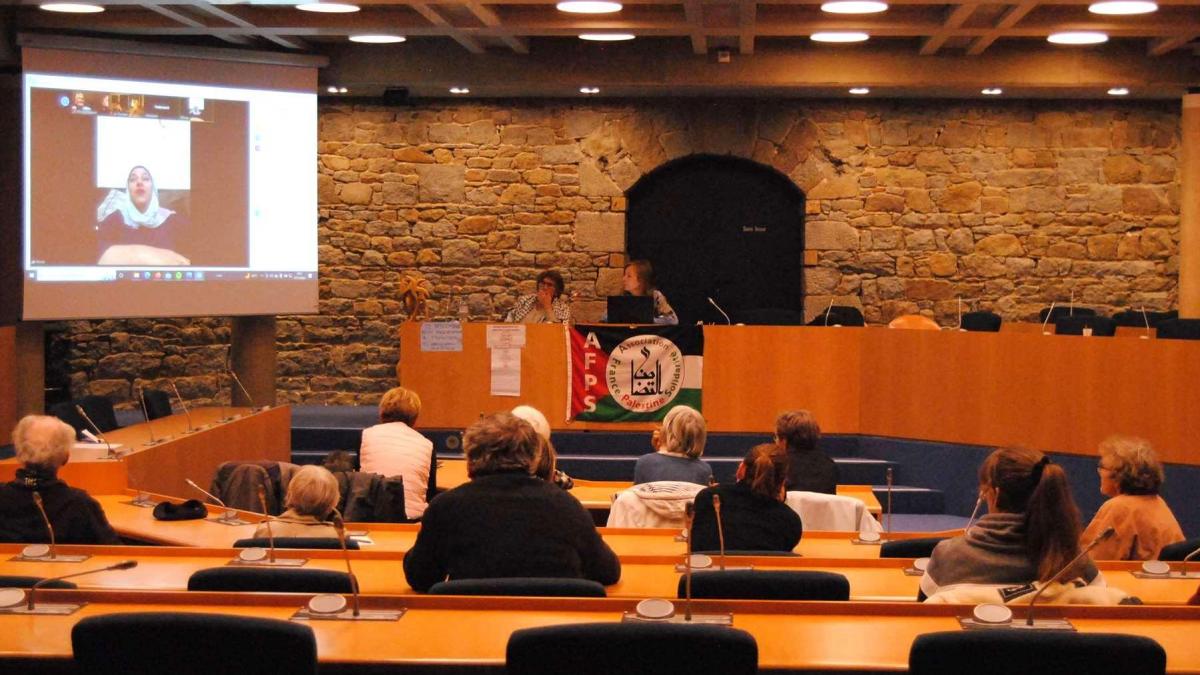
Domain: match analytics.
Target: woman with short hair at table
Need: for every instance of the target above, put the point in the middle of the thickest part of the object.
(506, 522)
(678, 444)
(1131, 476)
(754, 516)
(1031, 530)
(809, 468)
(638, 280)
(311, 497)
(394, 448)
(546, 467)
(548, 304)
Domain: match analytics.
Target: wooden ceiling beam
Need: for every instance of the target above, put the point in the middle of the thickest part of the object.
(955, 18)
(491, 19)
(1010, 19)
(693, 13)
(1169, 44)
(747, 18)
(434, 17)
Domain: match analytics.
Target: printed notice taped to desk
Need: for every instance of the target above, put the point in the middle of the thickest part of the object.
(441, 336)
(506, 372)
(506, 337)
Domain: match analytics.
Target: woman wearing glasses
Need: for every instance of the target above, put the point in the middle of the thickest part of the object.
(1130, 476)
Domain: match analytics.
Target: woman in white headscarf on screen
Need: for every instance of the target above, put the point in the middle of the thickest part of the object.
(132, 228)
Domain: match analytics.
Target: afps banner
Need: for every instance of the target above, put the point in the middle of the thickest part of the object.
(637, 374)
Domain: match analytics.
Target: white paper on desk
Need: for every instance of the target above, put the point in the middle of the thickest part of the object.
(506, 372)
(441, 336)
(506, 337)
(96, 446)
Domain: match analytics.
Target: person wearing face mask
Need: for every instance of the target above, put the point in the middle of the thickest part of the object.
(547, 305)
(132, 228)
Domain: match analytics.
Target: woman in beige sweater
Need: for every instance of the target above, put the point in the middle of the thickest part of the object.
(1131, 475)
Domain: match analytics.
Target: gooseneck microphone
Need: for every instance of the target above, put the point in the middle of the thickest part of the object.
(712, 302)
(182, 404)
(146, 414)
(974, 512)
(123, 565)
(720, 531)
(888, 518)
(1049, 313)
(227, 518)
(827, 311)
(1186, 559)
(99, 434)
(262, 500)
(41, 507)
(245, 393)
(340, 525)
(689, 513)
(1088, 549)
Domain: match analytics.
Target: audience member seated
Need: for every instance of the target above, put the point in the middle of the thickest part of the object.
(809, 469)
(547, 464)
(1030, 532)
(679, 444)
(506, 522)
(310, 499)
(43, 445)
(662, 503)
(394, 448)
(753, 515)
(1130, 476)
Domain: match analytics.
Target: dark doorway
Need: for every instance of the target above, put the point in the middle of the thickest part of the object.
(725, 228)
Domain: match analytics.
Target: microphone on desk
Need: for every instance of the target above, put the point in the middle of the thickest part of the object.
(959, 326)
(262, 500)
(1103, 536)
(41, 507)
(728, 321)
(974, 512)
(1146, 319)
(123, 565)
(183, 404)
(340, 525)
(245, 393)
(146, 414)
(42, 551)
(828, 310)
(112, 454)
(1049, 313)
(716, 502)
(227, 518)
(1071, 306)
(689, 514)
(1186, 559)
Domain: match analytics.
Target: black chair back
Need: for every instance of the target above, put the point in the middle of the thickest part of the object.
(269, 580)
(1133, 318)
(767, 585)
(769, 316)
(1064, 310)
(324, 543)
(607, 648)
(1180, 550)
(100, 409)
(17, 581)
(157, 402)
(1179, 329)
(838, 315)
(981, 322)
(65, 411)
(909, 548)
(1101, 326)
(750, 552)
(191, 644)
(532, 586)
(1005, 652)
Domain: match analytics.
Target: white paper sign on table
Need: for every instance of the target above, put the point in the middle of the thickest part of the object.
(506, 372)
(441, 336)
(511, 336)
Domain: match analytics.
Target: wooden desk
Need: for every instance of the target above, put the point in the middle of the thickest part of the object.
(790, 635)
(164, 467)
(973, 388)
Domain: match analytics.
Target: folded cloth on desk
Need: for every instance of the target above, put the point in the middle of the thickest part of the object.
(834, 513)
(192, 509)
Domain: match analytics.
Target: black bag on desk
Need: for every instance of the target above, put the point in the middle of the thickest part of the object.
(192, 509)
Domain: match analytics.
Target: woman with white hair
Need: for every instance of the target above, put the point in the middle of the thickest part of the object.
(546, 466)
(679, 444)
(311, 496)
(43, 446)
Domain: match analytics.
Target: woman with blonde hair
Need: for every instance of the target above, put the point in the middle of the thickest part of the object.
(679, 444)
(311, 496)
(753, 513)
(394, 448)
(1130, 476)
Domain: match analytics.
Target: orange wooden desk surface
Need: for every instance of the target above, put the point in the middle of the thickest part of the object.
(475, 631)
(1060, 393)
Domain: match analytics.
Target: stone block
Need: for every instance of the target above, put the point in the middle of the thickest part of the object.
(821, 280)
(534, 238)
(580, 123)
(482, 132)
(981, 265)
(477, 224)
(347, 288)
(885, 202)
(412, 156)
(608, 281)
(594, 183)
(830, 235)
(448, 133)
(600, 231)
(560, 154)
(1143, 200)
(1000, 245)
(837, 187)
(943, 264)
(518, 193)
(960, 198)
(959, 135)
(462, 252)
(441, 183)
(356, 193)
(399, 194)
(1122, 169)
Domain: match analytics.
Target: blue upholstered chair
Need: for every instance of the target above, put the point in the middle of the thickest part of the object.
(1005, 652)
(909, 548)
(269, 580)
(767, 585)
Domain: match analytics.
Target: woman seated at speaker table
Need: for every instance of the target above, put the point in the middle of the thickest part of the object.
(506, 522)
(1131, 475)
(638, 280)
(809, 468)
(43, 445)
(132, 228)
(678, 444)
(1031, 530)
(547, 464)
(547, 305)
(311, 497)
(394, 448)
(754, 516)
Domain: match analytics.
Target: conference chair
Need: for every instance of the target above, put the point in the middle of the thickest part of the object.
(750, 552)
(607, 648)
(1006, 652)
(770, 316)
(1063, 310)
(1134, 318)
(909, 548)
(914, 322)
(1179, 329)
(140, 643)
(17, 581)
(157, 402)
(981, 322)
(531, 586)
(297, 542)
(839, 315)
(1179, 550)
(767, 585)
(65, 411)
(269, 580)
(1101, 326)
(100, 409)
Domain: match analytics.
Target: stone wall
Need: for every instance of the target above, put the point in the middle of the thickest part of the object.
(911, 205)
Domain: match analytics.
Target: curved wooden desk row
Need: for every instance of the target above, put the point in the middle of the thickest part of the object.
(1057, 392)
(379, 573)
(450, 631)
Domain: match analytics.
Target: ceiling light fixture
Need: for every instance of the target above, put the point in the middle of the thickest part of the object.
(71, 7)
(860, 91)
(459, 90)
(1118, 91)
(589, 90)
(327, 7)
(1123, 7)
(336, 90)
(606, 37)
(854, 7)
(1077, 38)
(588, 7)
(839, 37)
(992, 91)
(377, 39)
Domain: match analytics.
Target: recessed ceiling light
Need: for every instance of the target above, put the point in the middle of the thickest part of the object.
(854, 7)
(860, 91)
(71, 7)
(1118, 91)
(606, 37)
(459, 90)
(589, 90)
(992, 91)
(377, 39)
(1077, 38)
(328, 7)
(1123, 7)
(336, 90)
(839, 36)
(588, 7)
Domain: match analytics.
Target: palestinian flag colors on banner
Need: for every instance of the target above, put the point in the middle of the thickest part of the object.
(620, 374)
